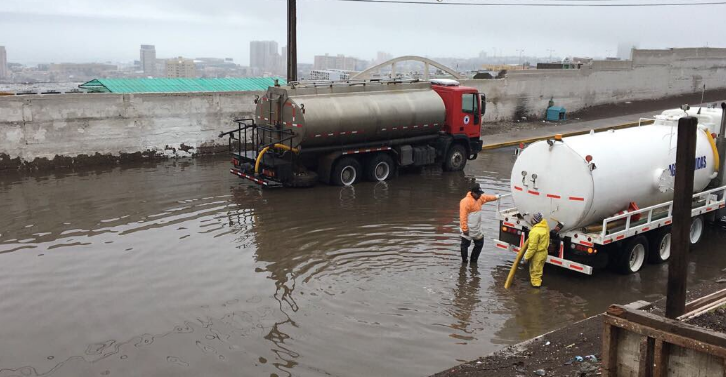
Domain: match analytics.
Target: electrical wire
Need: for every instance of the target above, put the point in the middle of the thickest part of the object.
(610, 3)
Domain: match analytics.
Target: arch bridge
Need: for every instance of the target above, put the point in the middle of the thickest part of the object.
(365, 75)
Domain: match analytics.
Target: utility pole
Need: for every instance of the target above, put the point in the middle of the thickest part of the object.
(291, 40)
(681, 229)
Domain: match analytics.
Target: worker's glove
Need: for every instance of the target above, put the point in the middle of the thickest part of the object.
(524, 262)
(498, 196)
(466, 233)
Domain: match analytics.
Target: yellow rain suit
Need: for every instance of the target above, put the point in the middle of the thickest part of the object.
(536, 251)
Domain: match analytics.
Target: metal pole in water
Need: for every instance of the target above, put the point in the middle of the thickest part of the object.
(291, 40)
(681, 229)
(721, 147)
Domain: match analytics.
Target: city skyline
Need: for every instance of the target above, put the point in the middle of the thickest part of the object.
(83, 32)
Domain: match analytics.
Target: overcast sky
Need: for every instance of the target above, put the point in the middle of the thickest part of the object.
(111, 30)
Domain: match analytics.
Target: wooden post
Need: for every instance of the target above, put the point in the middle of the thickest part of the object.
(291, 40)
(609, 350)
(681, 229)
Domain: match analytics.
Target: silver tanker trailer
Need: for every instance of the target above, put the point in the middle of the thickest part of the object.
(344, 132)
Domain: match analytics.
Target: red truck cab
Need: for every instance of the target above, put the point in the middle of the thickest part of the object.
(465, 108)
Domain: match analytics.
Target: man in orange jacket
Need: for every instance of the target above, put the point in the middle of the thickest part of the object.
(470, 222)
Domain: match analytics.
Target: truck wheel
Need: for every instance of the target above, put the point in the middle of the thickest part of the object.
(633, 255)
(346, 171)
(697, 226)
(455, 158)
(307, 179)
(660, 247)
(380, 168)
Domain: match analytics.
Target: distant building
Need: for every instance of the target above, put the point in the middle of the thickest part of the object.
(3, 63)
(625, 50)
(264, 56)
(382, 57)
(87, 69)
(329, 75)
(148, 60)
(180, 67)
(339, 62)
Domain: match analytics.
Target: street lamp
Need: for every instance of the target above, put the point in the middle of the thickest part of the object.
(520, 58)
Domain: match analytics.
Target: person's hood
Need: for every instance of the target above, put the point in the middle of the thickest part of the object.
(542, 224)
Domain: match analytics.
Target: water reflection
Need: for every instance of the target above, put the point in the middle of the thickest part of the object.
(180, 269)
(466, 299)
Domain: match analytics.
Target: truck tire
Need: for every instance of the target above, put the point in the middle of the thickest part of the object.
(455, 158)
(660, 246)
(307, 179)
(379, 168)
(346, 172)
(697, 227)
(633, 255)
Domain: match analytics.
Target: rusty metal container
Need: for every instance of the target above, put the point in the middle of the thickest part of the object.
(341, 114)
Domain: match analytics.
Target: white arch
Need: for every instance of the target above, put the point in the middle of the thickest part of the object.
(367, 73)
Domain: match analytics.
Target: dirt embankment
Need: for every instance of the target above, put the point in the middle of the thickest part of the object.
(574, 350)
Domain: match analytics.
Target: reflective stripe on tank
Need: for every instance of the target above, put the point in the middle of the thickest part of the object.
(356, 151)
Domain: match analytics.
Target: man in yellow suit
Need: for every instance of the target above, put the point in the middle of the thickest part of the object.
(536, 249)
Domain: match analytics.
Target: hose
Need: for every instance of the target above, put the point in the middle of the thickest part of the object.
(716, 157)
(520, 254)
(264, 150)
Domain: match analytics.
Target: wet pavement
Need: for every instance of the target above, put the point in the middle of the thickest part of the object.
(181, 269)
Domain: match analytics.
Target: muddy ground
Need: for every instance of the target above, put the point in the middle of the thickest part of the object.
(713, 320)
(559, 353)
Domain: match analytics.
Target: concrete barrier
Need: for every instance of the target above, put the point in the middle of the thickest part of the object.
(652, 74)
(75, 128)
(40, 129)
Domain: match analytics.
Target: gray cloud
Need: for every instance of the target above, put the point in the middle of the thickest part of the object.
(96, 30)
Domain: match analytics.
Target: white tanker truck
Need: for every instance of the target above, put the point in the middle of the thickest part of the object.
(612, 192)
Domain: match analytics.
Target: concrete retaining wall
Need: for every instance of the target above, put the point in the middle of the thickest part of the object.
(71, 127)
(652, 74)
(38, 127)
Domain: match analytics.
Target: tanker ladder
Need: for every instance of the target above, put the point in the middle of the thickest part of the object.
(625, 241)
(262, 154)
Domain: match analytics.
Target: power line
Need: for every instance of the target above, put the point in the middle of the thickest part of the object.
(488, 4)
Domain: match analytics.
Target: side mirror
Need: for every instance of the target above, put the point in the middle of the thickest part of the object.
(483, 104)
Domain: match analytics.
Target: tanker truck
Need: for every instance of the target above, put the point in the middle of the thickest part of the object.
(340, 133)
(611, 192)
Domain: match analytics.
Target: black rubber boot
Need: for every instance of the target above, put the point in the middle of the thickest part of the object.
(465, 249)
(478, 245)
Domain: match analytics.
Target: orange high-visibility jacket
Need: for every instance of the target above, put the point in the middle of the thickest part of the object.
(470, 208)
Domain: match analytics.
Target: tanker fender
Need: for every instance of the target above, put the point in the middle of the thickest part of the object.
(325, 165)
(449, 140)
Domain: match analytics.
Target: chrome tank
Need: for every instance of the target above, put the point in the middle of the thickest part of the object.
(351, 113)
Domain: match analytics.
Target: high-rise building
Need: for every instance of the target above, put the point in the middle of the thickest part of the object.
(340, 62)
(625, 50)
(180, 67)
(264, 56)
(382, 57)
(3, 63)
(148, 59)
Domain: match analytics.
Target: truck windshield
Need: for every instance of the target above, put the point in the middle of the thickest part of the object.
(469, 103)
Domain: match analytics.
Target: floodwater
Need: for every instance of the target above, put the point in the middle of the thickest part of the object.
(181, 269)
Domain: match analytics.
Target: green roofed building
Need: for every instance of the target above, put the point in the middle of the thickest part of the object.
(180, 85)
